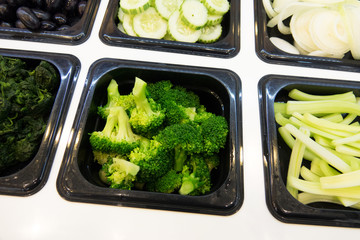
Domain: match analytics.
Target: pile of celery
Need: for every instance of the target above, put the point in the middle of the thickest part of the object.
(322, 129)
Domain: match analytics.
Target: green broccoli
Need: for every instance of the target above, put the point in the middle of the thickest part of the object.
(153, 159)
(119, 173)
(196, 176)
(115, 99)
(181, 104)
(147, 116)
(214, 131)
(183, 139)
(168, 183)
(117, 135)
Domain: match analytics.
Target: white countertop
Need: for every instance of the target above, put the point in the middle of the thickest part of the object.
(46, 215)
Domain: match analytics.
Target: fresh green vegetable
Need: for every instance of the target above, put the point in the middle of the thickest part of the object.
(316, 132)
(179, 20)
(167, 134)
(26, 97)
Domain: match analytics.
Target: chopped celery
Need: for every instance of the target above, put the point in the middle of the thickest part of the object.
(350, 179)
(308, 175)
(307, 198)
(302, 96)
(322, 107)
(322, 152)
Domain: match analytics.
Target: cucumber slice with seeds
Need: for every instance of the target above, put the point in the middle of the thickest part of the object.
(128, 25)
(217, 6)
(214, 19)
(194, 14)
(210, 34)
(134, 6)
(179, 31)
(150, 24)
(167, 7)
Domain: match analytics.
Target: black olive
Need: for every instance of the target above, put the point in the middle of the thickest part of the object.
(28, 18)
(53, 5)
(63, 27)
(5, 24)
(40, 14)
(47, 25)
(19, 24)
(7, 13)
(70, 5)
(60, 18)
(81, 7)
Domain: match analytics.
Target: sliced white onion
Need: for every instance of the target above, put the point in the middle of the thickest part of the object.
(299, 26)
(279, 5)
(269, 9)
(351, 14)
(319, 53)
(324, 28)
(284, 45)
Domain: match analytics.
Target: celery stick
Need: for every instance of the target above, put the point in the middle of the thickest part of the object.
(308, 175)
(323, 141)
(334, 117)
(289, 140)
(347, 202)
(349, 118)
(348, 150)
(322, 106)
(353, 138)
(315, 167)
(315, 188)
(326, 169)
(345, 180)
(322, 123)
(280, 107)
(301, 96)
(280, 119)
(295, 162)
(322, 152)
(307, 198)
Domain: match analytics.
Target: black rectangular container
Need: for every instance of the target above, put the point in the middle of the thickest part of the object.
(226, 47)
(267, 51)
(74, 35)
(274, 88)
(27, 178)
(220, 90)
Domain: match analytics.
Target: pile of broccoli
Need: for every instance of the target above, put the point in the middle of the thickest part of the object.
(26, 97)
(158, 138)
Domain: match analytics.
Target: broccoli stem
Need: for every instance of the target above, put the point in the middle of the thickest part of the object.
(124, 132)
(186, 188)
(180, 157)
(139, 92)
(111, 121)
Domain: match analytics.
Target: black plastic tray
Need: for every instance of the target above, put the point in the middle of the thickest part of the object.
(267, 51)
(228, 46)
(75, 35)
(277, 154)
(28, 178)
(220, 90)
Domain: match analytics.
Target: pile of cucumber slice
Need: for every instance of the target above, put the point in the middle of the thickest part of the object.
(179, 20)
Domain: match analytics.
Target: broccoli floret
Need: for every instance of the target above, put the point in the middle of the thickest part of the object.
(120, 173)
(183, 139)
(117, 135)
(213, 161)
(115, 99)
(196, 177)
(214, 131)
(153, 159)
(147, 116)
(181, 104)
(169, 183)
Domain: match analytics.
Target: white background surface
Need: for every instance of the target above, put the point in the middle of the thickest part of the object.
(46, 215)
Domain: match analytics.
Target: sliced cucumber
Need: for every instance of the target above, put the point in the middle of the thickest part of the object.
(210, 34)
(181, 32)
(121, 28)
(134, 6)
(128, 25)
(217, 6)
(121, 15)
(194, 14)
(150, 24)
(214, 19)
(167, 7)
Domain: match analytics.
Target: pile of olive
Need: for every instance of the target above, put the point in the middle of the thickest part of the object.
(37, 15)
